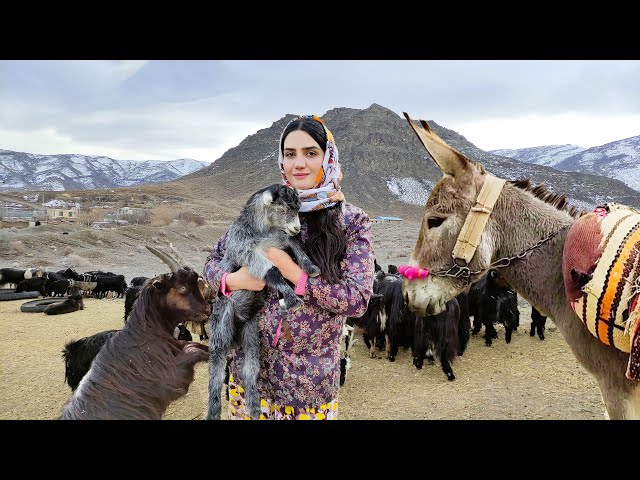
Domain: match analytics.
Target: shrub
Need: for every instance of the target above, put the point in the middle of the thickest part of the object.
(162, 215)
(191, 219)
(74, 260)
(16, 247)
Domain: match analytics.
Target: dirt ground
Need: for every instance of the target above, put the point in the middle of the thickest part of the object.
(526, 379)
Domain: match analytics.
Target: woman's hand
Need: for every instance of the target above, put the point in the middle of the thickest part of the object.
(283, 262)
(241, 279)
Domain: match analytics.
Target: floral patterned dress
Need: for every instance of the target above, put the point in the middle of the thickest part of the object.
(299, 376)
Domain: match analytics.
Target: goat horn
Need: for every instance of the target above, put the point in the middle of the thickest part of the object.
(166, 258)
(177, 255)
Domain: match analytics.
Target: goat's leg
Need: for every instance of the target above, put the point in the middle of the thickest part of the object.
(303, 259)
(203, 332)
(446, 366)
(275, 280)
(392, 348)
(249, 336)
(220, 341)
(540, 326)
(507, 333)
(489, 330)
(532, 332)
(477, 322)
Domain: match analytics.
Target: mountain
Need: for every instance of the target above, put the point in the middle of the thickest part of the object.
(549, 155)
(619, 159)
(28, 171)
(386, 169)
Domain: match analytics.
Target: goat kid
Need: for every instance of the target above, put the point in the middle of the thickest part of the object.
(268, 219)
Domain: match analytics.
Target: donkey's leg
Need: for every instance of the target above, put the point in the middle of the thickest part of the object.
(251, 366)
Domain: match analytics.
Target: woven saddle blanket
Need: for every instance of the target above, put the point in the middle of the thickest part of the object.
(600, 267)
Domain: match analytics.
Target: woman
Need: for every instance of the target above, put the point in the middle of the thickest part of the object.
(300, 350)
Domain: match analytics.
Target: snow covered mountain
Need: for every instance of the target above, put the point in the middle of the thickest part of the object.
(619, 160)
(28, 171)
(549, 155)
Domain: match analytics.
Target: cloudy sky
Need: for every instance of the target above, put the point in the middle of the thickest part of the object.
(170, 109)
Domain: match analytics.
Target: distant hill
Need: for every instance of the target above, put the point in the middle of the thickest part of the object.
(28, 171)
(619, 159)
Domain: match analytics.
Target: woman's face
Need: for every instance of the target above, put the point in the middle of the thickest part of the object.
(302, 160)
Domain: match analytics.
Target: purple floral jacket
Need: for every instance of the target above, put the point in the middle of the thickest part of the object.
(303, 369)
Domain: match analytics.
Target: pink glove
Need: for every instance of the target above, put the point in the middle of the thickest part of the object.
(409, 272)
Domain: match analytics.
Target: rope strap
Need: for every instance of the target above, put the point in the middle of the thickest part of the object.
(474, 224)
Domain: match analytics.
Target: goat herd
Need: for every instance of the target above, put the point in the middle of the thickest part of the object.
(388, 324)
(162, 354)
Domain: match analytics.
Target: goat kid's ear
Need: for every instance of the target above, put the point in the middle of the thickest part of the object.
(267, 198)
(159, 284)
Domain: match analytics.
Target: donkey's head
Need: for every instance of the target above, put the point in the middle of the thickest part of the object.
(276, 207)
(445, 213)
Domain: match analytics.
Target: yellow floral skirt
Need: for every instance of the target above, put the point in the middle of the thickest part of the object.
(272, 411)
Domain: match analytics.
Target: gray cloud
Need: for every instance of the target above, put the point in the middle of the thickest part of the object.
(168, 109)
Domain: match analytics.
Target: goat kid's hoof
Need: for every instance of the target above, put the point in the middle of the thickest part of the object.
(292, 304)
(313, 272)
(451, 377)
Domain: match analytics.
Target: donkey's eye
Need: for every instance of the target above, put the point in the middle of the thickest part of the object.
(434, 222)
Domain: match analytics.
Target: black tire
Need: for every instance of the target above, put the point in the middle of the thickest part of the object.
(38, 306)
(12, 295)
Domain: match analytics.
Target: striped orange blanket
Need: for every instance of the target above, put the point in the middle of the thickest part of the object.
(600, 266)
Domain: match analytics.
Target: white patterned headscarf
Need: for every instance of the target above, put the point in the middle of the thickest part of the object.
(326, 191)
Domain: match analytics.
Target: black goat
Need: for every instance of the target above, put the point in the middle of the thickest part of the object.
(35, 284)
(79, 354)
(440, 335)
(57, 287)
(396, 320)
(269, 218)
(346, 343)
(538, 322)
(11, 276)
(369, 322)
(485, 305)
(141, 369)
(130, 298)
(72, 303)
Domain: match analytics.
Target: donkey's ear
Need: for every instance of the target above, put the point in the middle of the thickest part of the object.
(448, 159)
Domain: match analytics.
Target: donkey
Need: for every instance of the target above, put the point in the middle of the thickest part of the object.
(268, 219)
(524, 235)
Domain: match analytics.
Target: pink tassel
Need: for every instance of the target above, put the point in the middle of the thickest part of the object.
(410, 272)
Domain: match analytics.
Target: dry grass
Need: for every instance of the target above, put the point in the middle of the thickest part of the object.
(526, 379)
